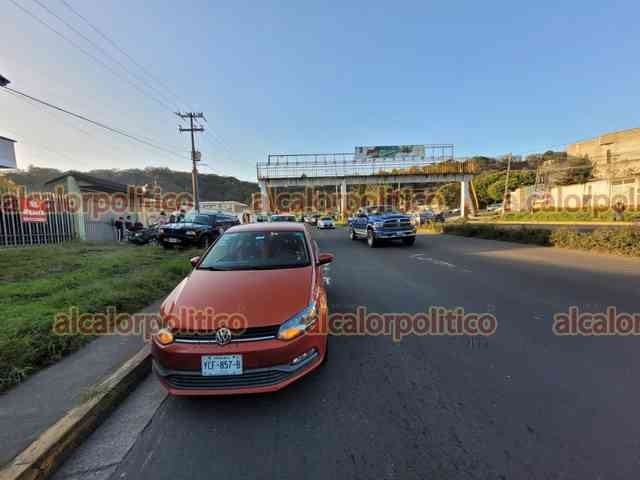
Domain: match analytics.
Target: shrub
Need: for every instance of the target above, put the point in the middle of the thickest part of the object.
(618, 241)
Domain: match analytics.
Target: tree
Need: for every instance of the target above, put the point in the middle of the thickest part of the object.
(449, 195)
(574, 170)
(490, 186)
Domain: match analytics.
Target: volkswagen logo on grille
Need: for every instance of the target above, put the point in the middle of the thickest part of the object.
(223, 336)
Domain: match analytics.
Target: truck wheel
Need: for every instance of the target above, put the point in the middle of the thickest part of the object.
(408, 241)
(352, 234)
(371, 239)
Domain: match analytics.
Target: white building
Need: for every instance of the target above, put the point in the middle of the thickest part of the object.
(7, 153)
(230, 206)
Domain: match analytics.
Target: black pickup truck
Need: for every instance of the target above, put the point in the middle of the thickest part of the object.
(196, 229)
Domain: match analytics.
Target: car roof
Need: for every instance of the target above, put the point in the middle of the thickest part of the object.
(269, 227)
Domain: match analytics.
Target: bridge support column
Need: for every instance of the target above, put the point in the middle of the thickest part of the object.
(343, 198)
(264, 194)
(464, 191)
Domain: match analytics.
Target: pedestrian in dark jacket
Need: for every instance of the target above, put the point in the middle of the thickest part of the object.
(119, 226)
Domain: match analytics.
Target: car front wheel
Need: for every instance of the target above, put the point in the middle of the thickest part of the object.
(352, 234)
(371, 239)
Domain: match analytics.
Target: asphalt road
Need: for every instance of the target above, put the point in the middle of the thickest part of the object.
(522, 404)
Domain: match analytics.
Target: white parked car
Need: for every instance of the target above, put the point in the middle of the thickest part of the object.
(326, 222)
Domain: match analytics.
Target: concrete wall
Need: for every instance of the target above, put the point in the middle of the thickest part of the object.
(598, 193)
(614, 155)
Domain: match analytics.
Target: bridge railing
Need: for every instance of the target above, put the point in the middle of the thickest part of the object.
(347, 165)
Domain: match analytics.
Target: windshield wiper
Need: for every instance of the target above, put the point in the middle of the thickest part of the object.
(214, 269)
(275, 267)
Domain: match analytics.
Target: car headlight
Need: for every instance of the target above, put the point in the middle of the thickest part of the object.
(164, 336)
(299, 323)
(161, 230)
(378, 224)
(190, 233)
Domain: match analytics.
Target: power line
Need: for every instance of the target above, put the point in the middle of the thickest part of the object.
(96, 123)
(100, 49)
(105, 53)
(90, 55)
(123, 52)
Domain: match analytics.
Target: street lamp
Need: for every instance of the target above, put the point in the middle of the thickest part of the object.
(4, 81)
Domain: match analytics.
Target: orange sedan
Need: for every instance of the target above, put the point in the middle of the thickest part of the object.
(251, 317)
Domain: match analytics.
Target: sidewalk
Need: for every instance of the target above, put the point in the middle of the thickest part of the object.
(31, 407)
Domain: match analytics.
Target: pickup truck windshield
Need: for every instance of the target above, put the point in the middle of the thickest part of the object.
(196, 218)
(257, 251)
(381, 209)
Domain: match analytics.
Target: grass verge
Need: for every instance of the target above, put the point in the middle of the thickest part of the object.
(38, 282)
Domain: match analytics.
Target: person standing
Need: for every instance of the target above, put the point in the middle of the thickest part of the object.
(119, 226)
(618, 211)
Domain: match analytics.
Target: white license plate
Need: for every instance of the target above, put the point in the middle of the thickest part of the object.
(173, 240)
(221, 365)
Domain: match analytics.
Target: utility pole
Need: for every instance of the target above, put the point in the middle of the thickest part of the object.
(195, 155)
(506, 185)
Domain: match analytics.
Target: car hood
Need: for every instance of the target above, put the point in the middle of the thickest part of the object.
(185, 226)
(260, 297)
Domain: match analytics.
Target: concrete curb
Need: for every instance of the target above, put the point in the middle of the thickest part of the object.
(49, 450)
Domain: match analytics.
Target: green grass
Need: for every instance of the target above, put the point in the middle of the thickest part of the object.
(567, 216)
(38, 282)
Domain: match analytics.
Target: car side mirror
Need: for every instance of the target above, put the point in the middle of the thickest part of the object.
(325, 258)
(194, 261)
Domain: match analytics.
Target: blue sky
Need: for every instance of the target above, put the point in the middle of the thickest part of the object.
(295, 77)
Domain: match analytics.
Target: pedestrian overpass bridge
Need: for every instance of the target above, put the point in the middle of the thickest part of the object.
(438, 165)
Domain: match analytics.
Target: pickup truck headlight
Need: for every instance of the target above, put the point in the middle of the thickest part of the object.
(299, 323)
(190, 233)
(378, 224)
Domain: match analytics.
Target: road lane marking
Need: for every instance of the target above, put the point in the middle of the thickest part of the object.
(421, 257)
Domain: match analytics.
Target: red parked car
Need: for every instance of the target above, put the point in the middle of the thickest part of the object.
(251, 317)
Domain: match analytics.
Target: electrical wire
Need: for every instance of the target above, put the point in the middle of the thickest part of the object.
(96, 123)
(90, 55)
(123, 52)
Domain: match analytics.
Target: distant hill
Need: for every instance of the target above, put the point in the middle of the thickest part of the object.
(212, 187)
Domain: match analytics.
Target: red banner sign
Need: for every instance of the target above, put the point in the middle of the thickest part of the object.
(33, 210)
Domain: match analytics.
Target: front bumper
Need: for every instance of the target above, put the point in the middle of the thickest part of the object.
(178, 241)
(390, 234)
(267, 365)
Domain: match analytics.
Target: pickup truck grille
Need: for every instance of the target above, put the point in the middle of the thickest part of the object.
(397, 223)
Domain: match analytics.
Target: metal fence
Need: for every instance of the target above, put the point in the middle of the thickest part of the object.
(59, 226)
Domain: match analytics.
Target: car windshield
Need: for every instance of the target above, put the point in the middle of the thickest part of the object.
(257, 251)
(326, 218)
(283, 218)
(195, 218)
